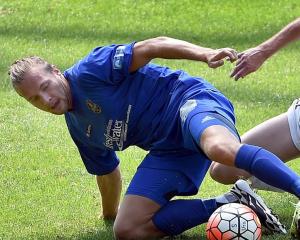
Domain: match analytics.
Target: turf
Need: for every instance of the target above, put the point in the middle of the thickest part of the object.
(45, 192)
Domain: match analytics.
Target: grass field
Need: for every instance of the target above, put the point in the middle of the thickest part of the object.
(45, 192)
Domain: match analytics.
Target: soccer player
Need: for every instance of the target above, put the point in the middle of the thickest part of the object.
(280, 134)
(115, 97)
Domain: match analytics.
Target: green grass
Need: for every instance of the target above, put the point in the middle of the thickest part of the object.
(45, 192)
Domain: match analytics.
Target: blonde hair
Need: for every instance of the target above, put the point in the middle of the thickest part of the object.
(18, 69)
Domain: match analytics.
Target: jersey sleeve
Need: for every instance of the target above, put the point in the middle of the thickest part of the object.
(97, 161)
(109, 64)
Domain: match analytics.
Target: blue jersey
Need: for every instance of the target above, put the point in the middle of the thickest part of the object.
(114, 109)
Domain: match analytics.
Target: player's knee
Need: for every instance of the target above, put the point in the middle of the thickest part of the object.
(216, 172)
(123, 231)
(219, 173)
(127, 231)
(219, 151)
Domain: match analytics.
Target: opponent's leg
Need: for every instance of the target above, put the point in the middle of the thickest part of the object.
(219, 144)
(273, 135)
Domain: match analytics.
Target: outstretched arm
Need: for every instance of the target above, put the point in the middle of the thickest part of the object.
(170, 48)
(251, 59)
(110, 186)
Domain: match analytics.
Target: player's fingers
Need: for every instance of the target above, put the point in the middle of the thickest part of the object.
(242, 73)
(235, 54)
(241, 54)
(237, 68)
(215, 64)
(224, 53)
(241, 64)
(240, 61)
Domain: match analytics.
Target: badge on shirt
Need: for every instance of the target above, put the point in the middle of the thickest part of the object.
(89, 131)
(93, 106)
(119, 57)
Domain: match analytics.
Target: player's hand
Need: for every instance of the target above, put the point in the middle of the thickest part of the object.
(215, 58)
(249, 61)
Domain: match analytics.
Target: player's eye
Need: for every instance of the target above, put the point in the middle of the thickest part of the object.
(45, 86)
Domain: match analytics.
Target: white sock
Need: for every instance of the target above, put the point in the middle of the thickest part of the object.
(226, 198)
(260, 185)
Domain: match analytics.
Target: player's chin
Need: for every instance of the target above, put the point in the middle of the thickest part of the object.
(58, 110)
(58, 113)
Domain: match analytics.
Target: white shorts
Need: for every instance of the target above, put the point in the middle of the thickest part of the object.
(294, 122)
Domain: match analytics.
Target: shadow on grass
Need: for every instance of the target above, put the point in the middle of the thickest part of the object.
(240, 92)
(103, 233)
(187, 237)
(209, 38)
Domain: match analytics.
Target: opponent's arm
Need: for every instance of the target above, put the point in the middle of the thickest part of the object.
(251, 59)
(170, 48)
(110, 187)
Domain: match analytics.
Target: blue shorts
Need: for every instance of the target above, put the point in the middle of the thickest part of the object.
(180, 169)
(160, 185)
(198, 122)
(189, 159)
(205, 109)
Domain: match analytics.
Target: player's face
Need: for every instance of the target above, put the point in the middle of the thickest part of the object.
(48, 91)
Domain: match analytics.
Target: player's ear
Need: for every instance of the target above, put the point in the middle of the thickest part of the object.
(55, 69)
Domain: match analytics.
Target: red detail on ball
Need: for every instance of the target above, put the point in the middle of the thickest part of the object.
(233, 221)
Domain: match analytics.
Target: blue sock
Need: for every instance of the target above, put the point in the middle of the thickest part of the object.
(267, 167)
(179, 215)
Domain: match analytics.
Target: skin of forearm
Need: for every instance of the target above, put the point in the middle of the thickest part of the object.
(287, 35)
(169, 48)
(110, 187)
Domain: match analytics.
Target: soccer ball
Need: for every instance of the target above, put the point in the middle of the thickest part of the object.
(233, 221)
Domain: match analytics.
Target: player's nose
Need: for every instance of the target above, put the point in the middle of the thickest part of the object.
(46, 99)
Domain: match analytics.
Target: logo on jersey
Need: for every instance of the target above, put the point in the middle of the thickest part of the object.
(187, 108)
(93, 106)
(89, 131)
(207, 118)
(119, 57)
(116, 132)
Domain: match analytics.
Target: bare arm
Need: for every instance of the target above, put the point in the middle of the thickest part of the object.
(110, 187)
(170, 48)
(251, 59)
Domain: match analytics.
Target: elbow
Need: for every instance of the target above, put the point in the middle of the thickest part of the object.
(296, 25)
(152, 42)
(161, 39)
(151, 48)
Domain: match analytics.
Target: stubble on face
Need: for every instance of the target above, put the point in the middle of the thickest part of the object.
(46, 90)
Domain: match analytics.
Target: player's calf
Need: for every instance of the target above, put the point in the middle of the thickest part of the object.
(226, 174)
